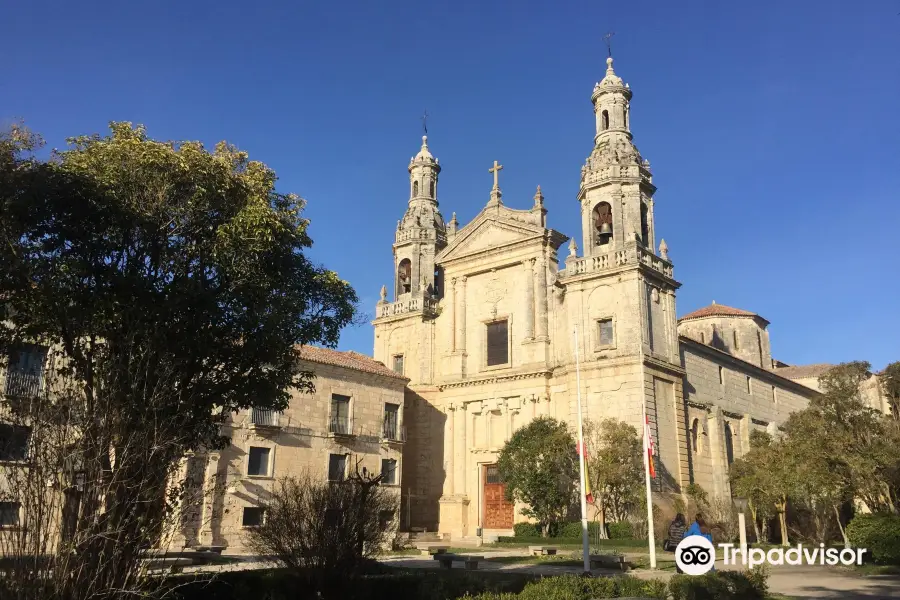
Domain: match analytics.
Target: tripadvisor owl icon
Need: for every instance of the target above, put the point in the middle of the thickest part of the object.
(695, 555)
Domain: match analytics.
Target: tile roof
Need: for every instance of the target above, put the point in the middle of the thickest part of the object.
(803, 371)
(719, 310)
(349, 360)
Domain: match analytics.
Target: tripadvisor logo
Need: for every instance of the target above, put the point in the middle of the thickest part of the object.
(696, 555)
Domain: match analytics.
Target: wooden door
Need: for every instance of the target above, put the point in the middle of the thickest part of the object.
(498, 512)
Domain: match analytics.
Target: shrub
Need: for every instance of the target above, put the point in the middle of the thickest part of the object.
(719, 585)
(879, 534)
(572, 530)
(621, 531)
(526, 530)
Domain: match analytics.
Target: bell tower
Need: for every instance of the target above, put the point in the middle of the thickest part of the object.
(623, 291)
(616, 184)
(421, 233)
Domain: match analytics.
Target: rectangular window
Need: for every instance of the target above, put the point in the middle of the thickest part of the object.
(774, 395)
(492, 474)
(749, 386)
(735, 340)
(9, 514)
(388, 471)
(258, 462)
(253, 516)
(391, 426)
(722, 375)
(333, 517)
(14, 442)
(25, 374)
(497, 343)
(337, 467)
(398, 363)
(605, 332)
(340, 414)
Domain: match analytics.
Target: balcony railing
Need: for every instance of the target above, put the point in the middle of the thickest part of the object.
(391, 430)
(340, 426)
(262, 417)
(23, 385)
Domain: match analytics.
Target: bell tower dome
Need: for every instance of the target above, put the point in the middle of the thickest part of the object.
(421, 233)
(617, 188)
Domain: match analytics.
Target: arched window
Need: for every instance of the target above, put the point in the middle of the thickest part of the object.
(404, 277)
(729, 444)
(702, 338)
(438, 282)
(604, 117)
(735, 339)
(415, 188)
(602, 223)
(695, 426)
(625, 117)
(645, 224)
(431, 190)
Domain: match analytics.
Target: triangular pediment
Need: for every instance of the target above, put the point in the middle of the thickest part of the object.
(489, 232)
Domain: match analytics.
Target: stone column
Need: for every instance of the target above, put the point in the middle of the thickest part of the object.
(452, 301)
(210, 491)
(448, 451)
(461, 314)
(540, 282)
(459, 450)
(529, 297)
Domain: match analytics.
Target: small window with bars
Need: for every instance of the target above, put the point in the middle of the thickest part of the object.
(9, 514)
(492, 474)
(337, 467)
(497, 343)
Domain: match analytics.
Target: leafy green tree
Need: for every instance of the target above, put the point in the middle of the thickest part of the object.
(763, 477)
(539, 465)
(890, 382)
(170, 284)
(615, 468)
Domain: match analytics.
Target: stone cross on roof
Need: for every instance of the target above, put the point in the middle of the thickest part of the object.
(496, 171)
(495, 191)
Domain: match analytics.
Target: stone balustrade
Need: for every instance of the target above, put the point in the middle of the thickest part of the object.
(416, 233)
(632, 254)
(405, 306)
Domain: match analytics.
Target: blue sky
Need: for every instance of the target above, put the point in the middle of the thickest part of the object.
(771, 127)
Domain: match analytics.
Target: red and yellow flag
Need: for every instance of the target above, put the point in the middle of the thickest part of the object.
(587, 479)
(649, 446)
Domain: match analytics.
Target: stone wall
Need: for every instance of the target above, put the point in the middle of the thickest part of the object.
(299, 442)
(721, 390)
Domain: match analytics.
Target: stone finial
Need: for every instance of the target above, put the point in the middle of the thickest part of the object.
(538, 198)
(664, 249)
(384, 293)
(496, 194)
(573, 247)
(452, 225)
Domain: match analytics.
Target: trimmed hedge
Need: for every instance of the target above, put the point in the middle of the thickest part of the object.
(572, 530)
(721, 585)
(879, 534)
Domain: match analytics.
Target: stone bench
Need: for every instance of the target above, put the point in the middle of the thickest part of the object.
(447, 561)
(429, 549)
(542, 550)
(607, 561)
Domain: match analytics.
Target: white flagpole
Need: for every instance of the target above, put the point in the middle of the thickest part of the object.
(585, 545)
(650, 533)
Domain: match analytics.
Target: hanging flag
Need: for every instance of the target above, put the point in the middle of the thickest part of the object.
(587, 480)
(649, 437)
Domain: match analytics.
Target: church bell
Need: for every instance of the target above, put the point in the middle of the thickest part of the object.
(605, 229)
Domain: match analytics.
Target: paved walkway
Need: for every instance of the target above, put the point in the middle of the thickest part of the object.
(796, 582)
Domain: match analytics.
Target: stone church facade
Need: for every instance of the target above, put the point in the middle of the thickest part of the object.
(481, 319)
